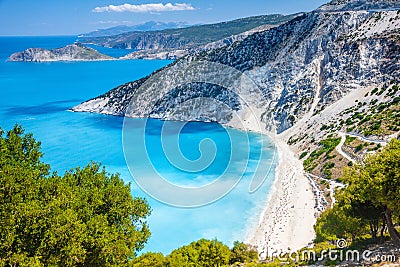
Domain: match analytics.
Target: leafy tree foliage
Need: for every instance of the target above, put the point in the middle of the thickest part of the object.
(377, 182)
(368, 214)
(200, 253)
(334, 224)
(242, 253)
(149, 259)
(371, 198)
(86, 217)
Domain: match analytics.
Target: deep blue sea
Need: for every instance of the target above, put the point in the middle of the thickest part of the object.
(38, 96)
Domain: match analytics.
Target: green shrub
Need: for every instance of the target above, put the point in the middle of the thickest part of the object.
(303, 154)
(350, 163)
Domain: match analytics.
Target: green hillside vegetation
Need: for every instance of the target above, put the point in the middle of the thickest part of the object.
(380, 118)
(377, 114)
(194, 35)
(321, 159)
(358, 148)
(85, 52)
(214, 32)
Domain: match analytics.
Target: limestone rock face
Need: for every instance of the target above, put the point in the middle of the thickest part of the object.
(300, 67)
(356, 5)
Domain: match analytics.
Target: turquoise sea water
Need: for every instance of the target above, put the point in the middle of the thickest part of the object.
(38, 96)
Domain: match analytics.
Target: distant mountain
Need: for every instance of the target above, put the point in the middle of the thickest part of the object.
(185, 38)
(172, 54)
(73, 52)
(147, 26)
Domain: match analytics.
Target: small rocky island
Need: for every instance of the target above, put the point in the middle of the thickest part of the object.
(72, 52)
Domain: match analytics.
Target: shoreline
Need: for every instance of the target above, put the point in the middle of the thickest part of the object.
(286, 223)
(287, 220)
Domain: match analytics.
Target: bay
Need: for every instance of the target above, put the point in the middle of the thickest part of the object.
(38, 96)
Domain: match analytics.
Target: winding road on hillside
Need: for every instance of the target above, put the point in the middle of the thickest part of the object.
(362, 138)
(366, 139)
(339, 148)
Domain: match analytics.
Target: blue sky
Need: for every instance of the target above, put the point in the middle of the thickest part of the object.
(72, 17)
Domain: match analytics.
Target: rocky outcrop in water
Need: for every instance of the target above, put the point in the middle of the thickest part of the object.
(73, 52)
(300, 67)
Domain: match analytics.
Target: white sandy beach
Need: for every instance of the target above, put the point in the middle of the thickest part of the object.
(288, 218)
(289, 215)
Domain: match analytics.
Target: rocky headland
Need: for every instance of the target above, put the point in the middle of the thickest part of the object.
(73, 52)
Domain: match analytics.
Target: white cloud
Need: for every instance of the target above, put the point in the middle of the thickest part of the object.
(143, 8)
